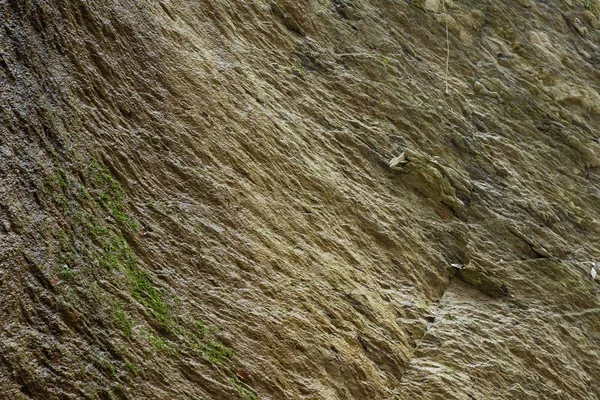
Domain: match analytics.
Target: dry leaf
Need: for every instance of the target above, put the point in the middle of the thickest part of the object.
(241, 374)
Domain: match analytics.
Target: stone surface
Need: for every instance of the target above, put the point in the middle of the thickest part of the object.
(190, 189)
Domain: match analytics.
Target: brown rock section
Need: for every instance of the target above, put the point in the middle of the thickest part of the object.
(196, 199)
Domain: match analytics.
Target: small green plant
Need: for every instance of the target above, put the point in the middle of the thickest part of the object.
(83, 194)
(117, 254)
(110, 194)
(421, 305)
(199, 328)
(132, 369)
(66, 272)
(96, 231)
(58, 179)
(158, 343)
(143, 291)
(217, 353)
(244, 392)
(122, 320)
(592, 6)
(62, 201)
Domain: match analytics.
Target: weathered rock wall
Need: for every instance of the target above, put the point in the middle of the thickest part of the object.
(197, 199)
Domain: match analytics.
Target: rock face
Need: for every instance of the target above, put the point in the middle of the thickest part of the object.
(196, 199)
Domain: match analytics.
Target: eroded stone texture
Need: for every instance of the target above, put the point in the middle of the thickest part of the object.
(197, 199)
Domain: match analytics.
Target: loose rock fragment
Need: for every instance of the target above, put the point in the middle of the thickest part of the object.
(400, 160)
(439, 182)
